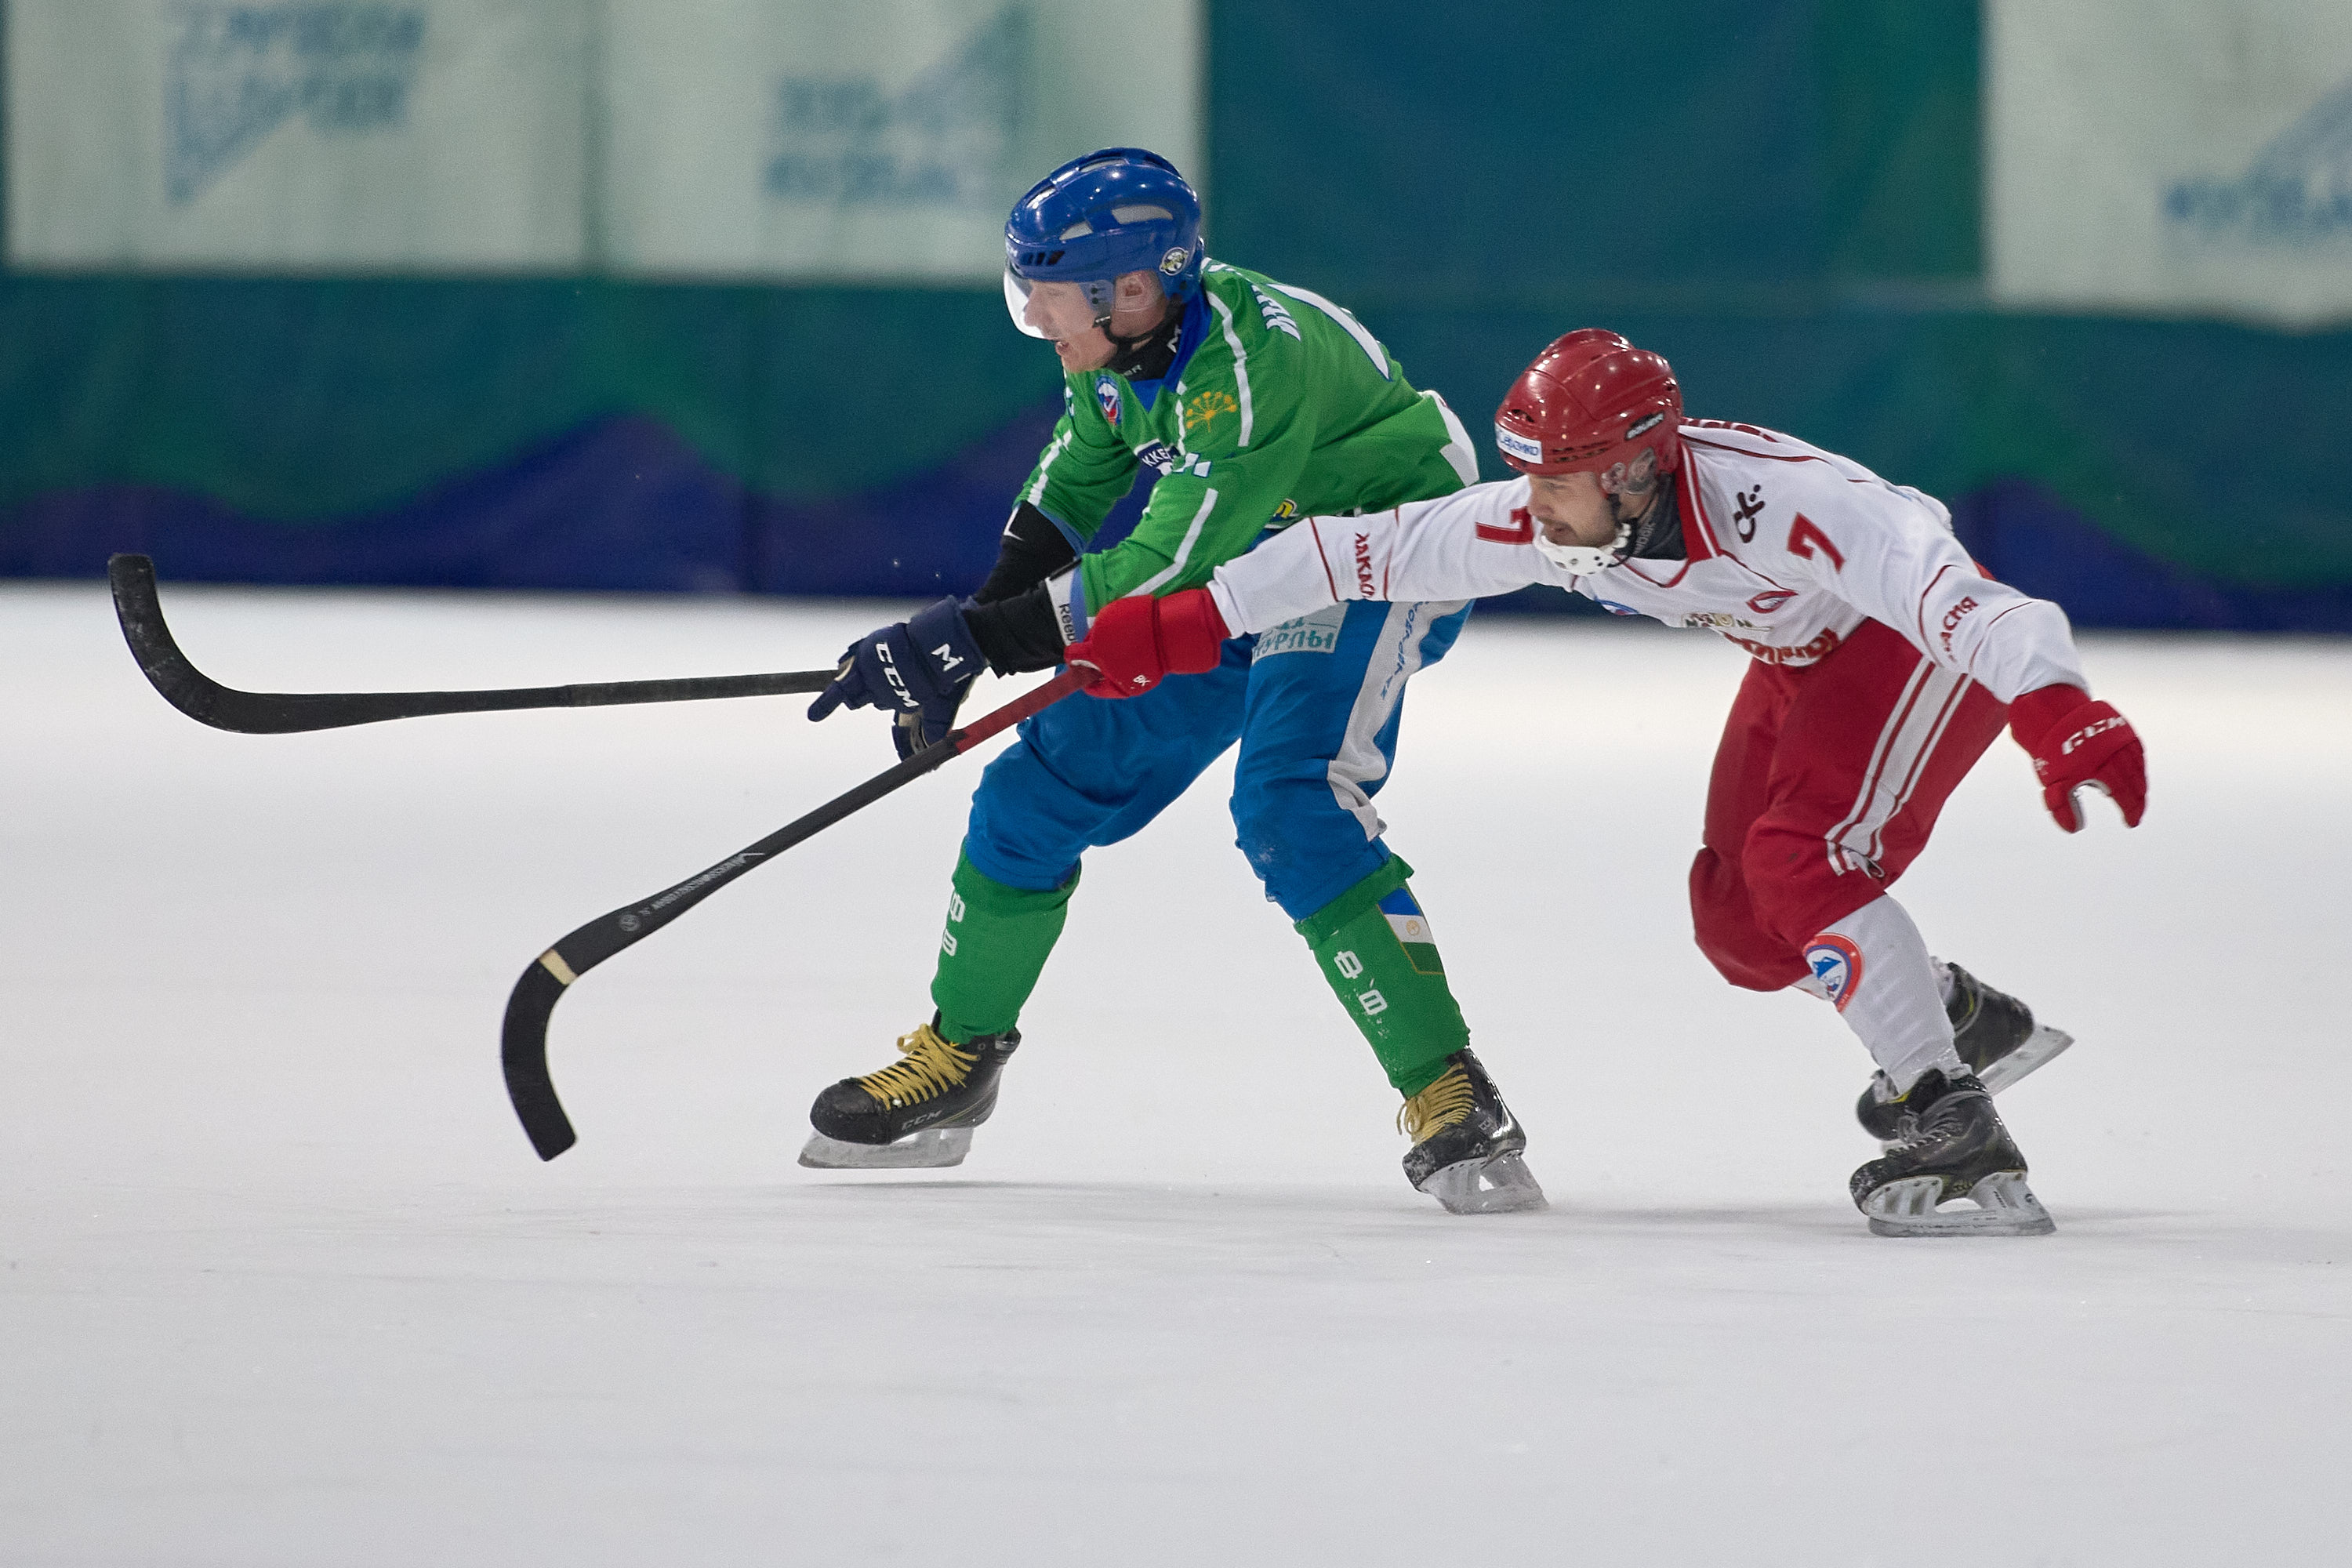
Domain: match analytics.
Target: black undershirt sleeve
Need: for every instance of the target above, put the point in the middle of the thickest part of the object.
(1017, 633)
(1032, 550)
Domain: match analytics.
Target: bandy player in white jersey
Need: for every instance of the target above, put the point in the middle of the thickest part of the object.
(1885, 663)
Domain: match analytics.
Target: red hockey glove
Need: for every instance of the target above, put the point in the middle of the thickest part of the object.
(1133, 642)
(2075, 742)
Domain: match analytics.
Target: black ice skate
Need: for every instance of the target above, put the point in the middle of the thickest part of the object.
(1466, 1144)
(1957, 1147)
(1996, 1037)
(918, 1113)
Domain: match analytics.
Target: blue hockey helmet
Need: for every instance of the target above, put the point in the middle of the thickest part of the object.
(1096, 219)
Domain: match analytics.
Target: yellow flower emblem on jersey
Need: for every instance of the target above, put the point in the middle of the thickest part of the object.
(1205, 410)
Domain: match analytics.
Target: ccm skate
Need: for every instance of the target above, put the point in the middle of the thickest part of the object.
(1996, 1037)
(916, 1114)
(1953, 1147)
(1466, 1145)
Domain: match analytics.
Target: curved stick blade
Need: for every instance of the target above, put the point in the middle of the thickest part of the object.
(522, 1052)
(523, 1040)
(207, 701)
(139, 612)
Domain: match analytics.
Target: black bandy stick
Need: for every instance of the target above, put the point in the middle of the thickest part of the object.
(523, 1040)
(207, 701)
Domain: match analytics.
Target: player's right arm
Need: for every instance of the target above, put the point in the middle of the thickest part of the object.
(1083, 472)
(1475, 542)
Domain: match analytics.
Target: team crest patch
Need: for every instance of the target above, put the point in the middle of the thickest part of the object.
(1837, 964)
(1204, 411)
(1106, 394)
(1403, 914)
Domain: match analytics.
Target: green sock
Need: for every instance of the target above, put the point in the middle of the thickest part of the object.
(994, 947)
(1373, 945)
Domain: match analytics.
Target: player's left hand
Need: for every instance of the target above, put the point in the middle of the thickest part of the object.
(918, 670)
(1135, 642)
(2076, 743)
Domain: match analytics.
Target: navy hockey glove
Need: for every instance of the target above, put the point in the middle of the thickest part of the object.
(918, 671)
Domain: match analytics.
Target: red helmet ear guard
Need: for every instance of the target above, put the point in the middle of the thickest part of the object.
(1591, 400)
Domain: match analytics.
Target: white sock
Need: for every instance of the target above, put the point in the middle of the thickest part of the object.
(1874, 966)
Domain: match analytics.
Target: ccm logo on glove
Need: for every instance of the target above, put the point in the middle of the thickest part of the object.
(2077, 745)
(920, 665)
(2116, 722)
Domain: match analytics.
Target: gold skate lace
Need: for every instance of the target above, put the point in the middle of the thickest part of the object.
(1440, 1106)
(931, 1067)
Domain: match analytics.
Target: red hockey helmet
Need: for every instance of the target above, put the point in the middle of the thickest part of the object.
(1591, 400)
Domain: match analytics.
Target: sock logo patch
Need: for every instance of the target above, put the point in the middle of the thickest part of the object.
(1836, 963)
(1410, 927)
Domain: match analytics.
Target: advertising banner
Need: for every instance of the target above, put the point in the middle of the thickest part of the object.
(2171, 157)
(772, 139)
(297, 135)
(877, 143)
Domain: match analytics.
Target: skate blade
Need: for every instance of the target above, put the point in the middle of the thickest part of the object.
(2005, 1206)
(1503, 1184)
(928, 1150)
(2039, 1048)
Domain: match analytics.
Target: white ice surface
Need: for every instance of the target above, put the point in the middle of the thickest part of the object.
(281, 1282)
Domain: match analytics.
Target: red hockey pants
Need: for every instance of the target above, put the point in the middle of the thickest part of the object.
(1827, 783)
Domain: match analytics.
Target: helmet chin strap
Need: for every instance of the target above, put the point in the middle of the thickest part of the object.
(1128, 355)
(1586, 558)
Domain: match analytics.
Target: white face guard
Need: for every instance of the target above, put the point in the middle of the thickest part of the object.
(1586, 558)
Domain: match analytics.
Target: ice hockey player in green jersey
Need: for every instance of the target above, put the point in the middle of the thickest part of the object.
(1255, 403)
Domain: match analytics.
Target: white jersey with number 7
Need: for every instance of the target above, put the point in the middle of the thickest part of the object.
(1787, 550)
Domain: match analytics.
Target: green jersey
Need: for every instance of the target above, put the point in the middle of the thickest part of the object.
(1278, 405)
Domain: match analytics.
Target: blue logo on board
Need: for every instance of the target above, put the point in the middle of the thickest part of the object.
(236, 73)
(944, 140)
(2297, 193)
